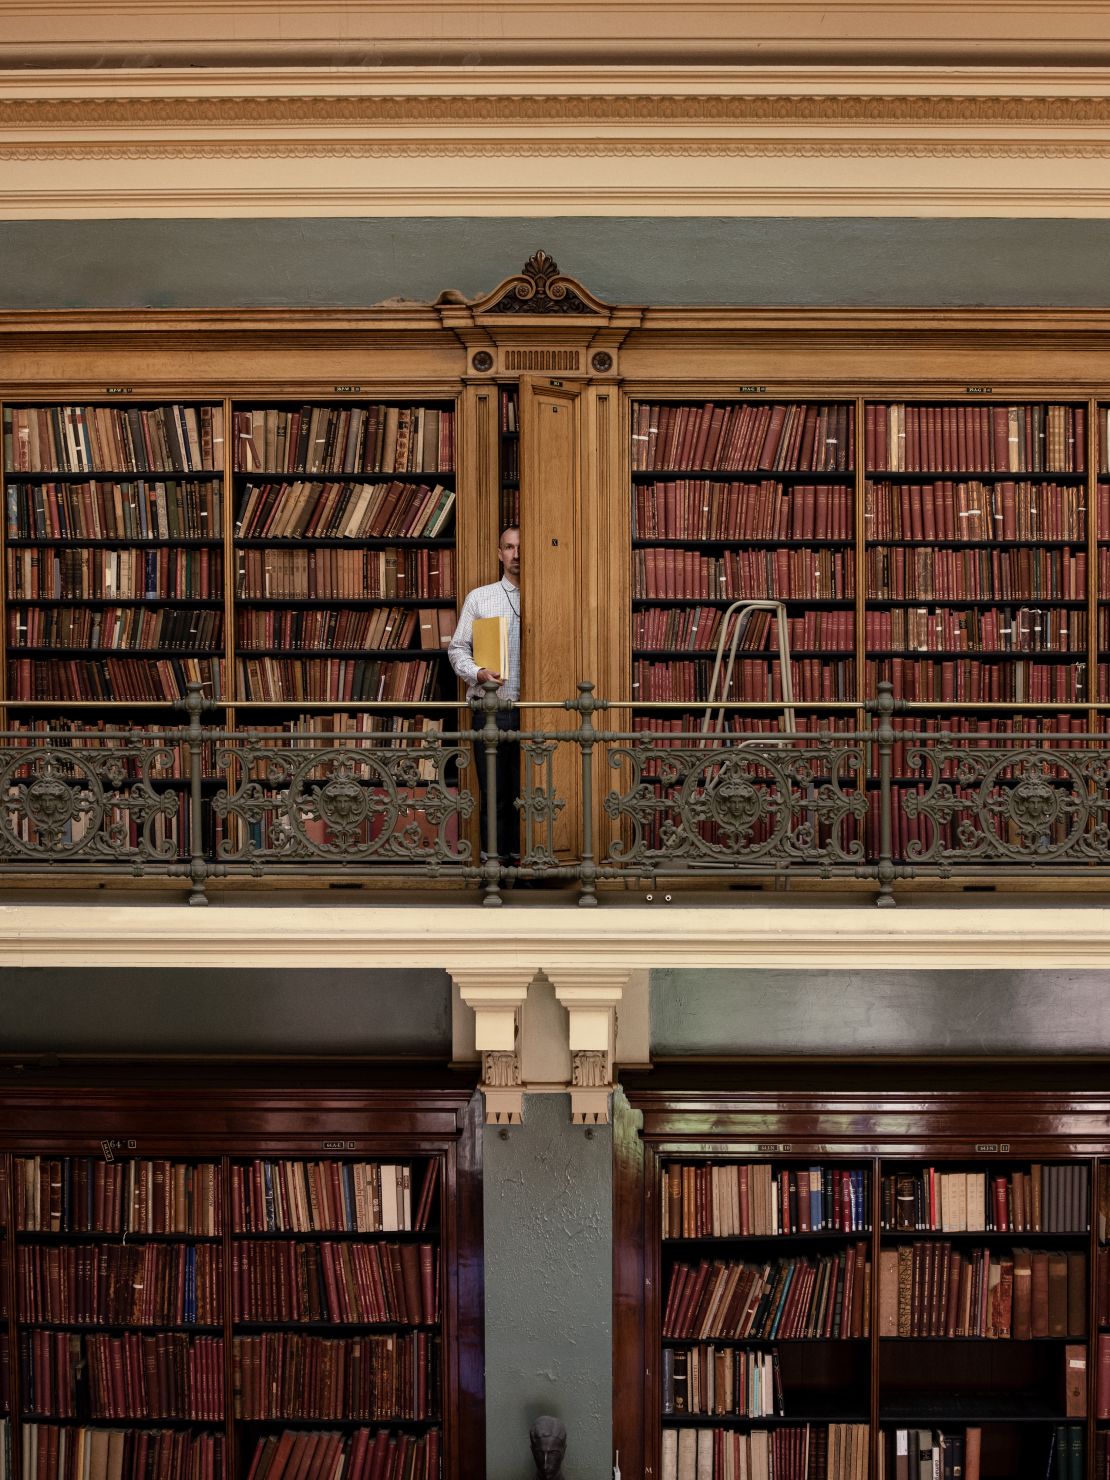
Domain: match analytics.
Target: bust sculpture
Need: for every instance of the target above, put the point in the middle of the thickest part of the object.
(548, 1439)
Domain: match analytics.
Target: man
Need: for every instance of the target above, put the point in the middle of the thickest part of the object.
(500, 599)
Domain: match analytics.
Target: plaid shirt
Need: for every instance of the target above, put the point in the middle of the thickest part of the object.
(501, 599)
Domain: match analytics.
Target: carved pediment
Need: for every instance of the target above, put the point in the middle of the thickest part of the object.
(540, 288)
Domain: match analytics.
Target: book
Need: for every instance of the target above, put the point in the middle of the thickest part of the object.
(491, 644)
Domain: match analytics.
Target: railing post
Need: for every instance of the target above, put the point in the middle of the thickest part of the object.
(585, 705)
(883, 734)
(194, 706)
(491, 735)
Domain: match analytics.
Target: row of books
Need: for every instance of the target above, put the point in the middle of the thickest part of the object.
(325, 573)
(331, 1196)
(1102, 1376)
(921, 1454)
(835, 1451)
(1059, 732)
(345, 439)
(130, 574)
(76, 1194)
(973, 510)
(972, 680)
(134, 680)
(776, 437)
(721, 1379)
(131, 439)
(1030, 629)
(325, 629)
(188, 629)
(169, 1374)
(363, 1455)
(1023, 438)
(815, 679)
(145, 1284)
(931, 573)
(698, 627)
(930, 1288)
(664, 727)
(783, 574)
(727, 1199)
(115, 511)
(285, 680)
(699, 508)
(285, 1374)
(1046, 1197)
(336, 1281)
(54, 1452)
(823, 1297)
(349, 511)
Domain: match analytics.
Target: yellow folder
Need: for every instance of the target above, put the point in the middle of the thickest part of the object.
(491, 644)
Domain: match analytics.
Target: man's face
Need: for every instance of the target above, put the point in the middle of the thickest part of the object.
(548, 1452)
(508, 552)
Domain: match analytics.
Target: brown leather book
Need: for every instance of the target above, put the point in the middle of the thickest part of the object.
(1023, 1295)
(1075, 1381)
(972, 1446)
(1077, 1293)
(1102, 1389)
(1057, 1294)
(1039, 1304)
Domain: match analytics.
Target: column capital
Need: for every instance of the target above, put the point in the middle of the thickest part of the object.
(496, 995)
(591, 997)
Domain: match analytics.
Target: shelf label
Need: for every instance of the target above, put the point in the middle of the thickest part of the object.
(337, 1145)
(980, 390)
(118, 390)
(109, 1148)
(347, 389)
(988, 1146)
(752, 390)
(773, 1146)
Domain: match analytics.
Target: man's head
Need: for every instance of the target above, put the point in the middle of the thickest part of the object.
(548, 1439)
(508, 552)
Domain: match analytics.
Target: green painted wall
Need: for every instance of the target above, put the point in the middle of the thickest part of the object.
(684, 260)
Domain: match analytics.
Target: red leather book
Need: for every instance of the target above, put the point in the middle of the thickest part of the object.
(1102, 1376)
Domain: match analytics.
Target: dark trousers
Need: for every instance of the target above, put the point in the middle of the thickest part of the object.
(508, 786)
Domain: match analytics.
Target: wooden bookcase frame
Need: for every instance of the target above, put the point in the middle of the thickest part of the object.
(225, 1124)
(653, 1125)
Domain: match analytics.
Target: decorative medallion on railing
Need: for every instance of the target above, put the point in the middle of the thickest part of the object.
(1004, 803)
(724, 803)
(106, 801)
(328, 801)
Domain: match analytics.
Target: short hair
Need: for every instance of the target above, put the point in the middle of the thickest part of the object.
(505, 529)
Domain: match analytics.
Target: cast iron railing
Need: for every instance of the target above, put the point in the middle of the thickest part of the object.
(198, 803)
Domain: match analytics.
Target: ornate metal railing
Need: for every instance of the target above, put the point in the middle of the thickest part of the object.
(881, 805)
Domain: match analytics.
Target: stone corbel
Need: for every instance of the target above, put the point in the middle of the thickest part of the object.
(496, 996)
(591, 999)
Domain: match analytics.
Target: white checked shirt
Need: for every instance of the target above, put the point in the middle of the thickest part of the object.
(501, 599)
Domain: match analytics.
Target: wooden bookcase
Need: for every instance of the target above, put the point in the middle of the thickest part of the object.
(549, 387)
(302, 1291)
(1007, 1392)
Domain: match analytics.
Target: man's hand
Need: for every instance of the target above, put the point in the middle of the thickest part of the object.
(486, 676)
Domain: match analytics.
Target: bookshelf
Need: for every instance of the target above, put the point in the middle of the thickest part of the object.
(509, 503)
(883, 1274)
(265, 1299)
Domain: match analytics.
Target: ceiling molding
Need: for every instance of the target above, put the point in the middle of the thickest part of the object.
(203, 32)
(983, 143)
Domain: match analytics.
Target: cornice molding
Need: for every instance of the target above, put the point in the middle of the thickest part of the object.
(109, 32)
(1029, 933)
(278, 110)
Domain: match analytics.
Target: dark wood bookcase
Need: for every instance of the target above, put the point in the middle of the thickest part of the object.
(307, 1267)
(1006, 1391)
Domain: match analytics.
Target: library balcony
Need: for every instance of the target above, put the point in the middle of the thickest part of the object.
(750, 795)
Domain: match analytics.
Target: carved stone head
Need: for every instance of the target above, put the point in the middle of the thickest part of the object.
(548, 1439)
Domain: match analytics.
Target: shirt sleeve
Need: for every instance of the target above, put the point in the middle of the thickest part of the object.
(460, 651)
